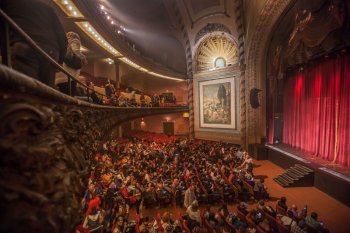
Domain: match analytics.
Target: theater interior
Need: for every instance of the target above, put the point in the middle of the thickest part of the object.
(171, 116)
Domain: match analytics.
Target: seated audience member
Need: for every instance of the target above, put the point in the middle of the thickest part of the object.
(109, 88)
(299, 228)
(260, 190)
(122, 101)
(265, 225)
(226, 229)
(313, 221)
(92, 94)
(210, 216)
(120, 225)
(194, 215)
(168, 224)
(142, 99)
(266, 208)
(294, 210)
(242, 207)
(288, 220)
(147, 225)
(90, 194)
(282, 203)
(93, 220)
(255, 216)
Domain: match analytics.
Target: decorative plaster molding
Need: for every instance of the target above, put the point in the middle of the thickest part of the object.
(209, 28)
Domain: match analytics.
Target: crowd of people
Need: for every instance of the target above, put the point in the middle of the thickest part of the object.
(151, 171)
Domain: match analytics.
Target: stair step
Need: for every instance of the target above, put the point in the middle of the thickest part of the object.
(280, 183)
(300, 170)
(295, 173)
(283, 180)
(290, 176)
(284, 184)
(304, 168)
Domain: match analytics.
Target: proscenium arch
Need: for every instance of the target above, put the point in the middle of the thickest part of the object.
(230, 53)
(255, 75)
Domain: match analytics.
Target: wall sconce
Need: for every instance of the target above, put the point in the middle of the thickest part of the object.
(186, 115)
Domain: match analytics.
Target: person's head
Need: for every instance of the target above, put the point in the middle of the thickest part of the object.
(283, 200)
(243, 205)
(195, 205)
(120, 221)
(242, 229)
(290, 214)
(314, 215)
(93, 211)
(72, 35)
(261, 202)
(166, 217)
(196, 229)
(294, 207)
(266, 221)
(226, 229)
(92, 187)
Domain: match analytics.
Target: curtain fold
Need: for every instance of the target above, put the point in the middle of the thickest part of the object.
(316, 110)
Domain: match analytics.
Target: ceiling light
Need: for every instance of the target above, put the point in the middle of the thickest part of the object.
(70, 9)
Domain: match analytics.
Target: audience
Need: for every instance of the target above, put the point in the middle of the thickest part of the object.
(156, 170)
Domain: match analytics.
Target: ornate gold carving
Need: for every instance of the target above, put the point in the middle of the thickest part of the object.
(215, 47)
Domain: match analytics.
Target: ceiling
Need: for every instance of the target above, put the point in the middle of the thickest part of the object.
(161, 32)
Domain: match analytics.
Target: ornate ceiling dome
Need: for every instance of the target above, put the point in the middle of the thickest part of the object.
(215, 52)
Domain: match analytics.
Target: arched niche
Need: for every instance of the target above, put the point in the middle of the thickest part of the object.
(216, 50)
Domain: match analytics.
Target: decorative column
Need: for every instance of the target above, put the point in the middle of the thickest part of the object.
(190, 106)
(117, 75)
(243, 107)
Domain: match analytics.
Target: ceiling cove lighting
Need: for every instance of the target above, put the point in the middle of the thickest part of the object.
(71, 10)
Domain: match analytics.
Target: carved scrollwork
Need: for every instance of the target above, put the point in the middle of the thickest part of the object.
(39, 180)
(18, 121)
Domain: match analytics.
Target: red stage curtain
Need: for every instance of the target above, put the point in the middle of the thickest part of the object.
(316, 110)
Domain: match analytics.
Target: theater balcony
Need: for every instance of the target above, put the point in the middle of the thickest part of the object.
(47, 139)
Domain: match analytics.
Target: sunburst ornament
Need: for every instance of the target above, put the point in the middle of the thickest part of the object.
(216, 52)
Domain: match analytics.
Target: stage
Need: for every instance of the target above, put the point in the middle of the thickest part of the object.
(328, 177)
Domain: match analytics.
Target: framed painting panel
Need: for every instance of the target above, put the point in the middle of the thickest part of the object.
(217, 103)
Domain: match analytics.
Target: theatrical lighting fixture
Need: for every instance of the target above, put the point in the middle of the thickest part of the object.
(110, 61)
